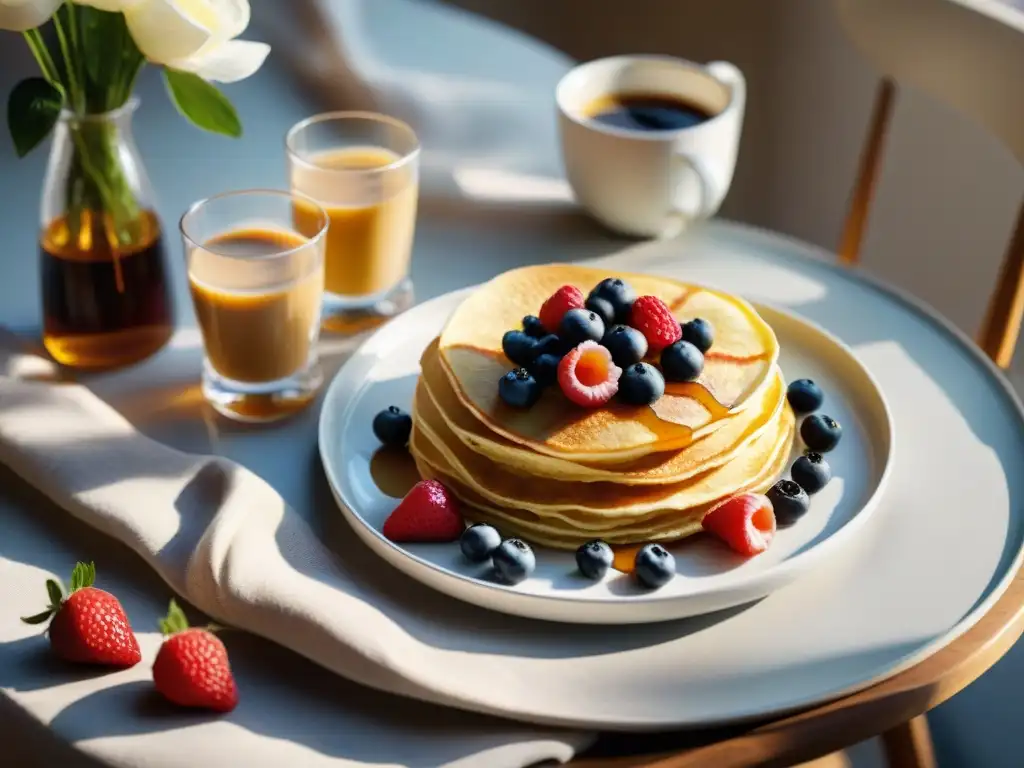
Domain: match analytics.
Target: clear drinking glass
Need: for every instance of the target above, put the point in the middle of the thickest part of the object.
(363, 169)
(257, 286)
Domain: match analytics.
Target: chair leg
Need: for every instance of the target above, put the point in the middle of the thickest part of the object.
(909, 745)
(867, 174)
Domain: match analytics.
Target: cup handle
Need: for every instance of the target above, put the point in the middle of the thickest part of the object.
(731, 75)
(685, 161)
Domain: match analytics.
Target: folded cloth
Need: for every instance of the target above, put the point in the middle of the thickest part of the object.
(226, 541)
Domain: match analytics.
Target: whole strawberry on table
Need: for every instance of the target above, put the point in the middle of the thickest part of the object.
(88, 625)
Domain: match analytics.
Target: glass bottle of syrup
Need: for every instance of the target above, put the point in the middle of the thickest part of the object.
(106, 291)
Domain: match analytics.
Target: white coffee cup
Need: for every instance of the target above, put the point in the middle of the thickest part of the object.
(651, 183)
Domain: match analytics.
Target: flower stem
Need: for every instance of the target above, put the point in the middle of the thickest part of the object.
(36, 44)
(75, 91)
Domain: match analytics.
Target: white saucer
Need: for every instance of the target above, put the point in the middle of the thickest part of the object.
(709, 576)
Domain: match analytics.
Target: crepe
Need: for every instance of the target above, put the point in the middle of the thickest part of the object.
(610, 500)
(738, 366)
(702, 454)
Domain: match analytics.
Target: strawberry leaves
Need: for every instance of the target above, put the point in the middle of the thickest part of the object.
(83, 575)
(176, 621)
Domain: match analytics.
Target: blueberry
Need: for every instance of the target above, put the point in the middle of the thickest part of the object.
(532, 327)
(641, 384)
(789, 500)
(699, 333)
(602, 308)
(518, 347)
(805, 396)
(594, 559)
(551, 345)
(681, 361)
(627, 345)
(513, 561)
(579, 325)
(519, 389)
(479, 541)
(820, 433)
(544, 369)
(654, 566)
(811, 472)
(619, 294)
(392, 426)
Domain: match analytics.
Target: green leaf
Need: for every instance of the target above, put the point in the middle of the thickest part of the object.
(175, 621)
(83, 575)
(202, 104)
(39, 618)
(32, 110)
(54, 592)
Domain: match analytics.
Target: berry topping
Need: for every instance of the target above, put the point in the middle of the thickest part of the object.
(746, 523)
(561, 301)
(602, 308)
(811, 472)
(479, 541)
(805, 396)
(594, 559)
(513, 561)
(544, 369)
(789, 501)
(392, 426)
(654, 566)
(551, 345)
(641, 384)
(579, 325)
(627, 345)
(89, 626)
(654, 320)
(519, 389)
(191, 668)
(588, 376)
(820, 433)
(532, 326)
(681, 361)
(518, 347)
(429, 512)
(699, 333)
(619, 294)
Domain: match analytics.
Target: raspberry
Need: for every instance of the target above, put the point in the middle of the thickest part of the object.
(654, 320)
(561, 301)
(746, 523)
(588, 376)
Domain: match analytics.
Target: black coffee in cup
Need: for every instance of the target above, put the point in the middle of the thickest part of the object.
(647, 112)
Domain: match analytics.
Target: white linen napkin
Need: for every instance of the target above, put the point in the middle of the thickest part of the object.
(222, 538)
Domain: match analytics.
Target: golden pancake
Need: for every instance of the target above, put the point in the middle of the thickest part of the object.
(655, 468)
(736, 368)
(662, 526)
(570, 500)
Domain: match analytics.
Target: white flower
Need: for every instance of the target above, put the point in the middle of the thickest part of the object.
(191, 35)
(19, 15)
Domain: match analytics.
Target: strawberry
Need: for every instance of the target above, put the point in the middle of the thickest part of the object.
(191, 667)
(652, 317)
(561, 301)
(746, 523)
(89, 626)
(588, 376)
(429, 512)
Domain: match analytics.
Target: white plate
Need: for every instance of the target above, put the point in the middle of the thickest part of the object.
(709, 577)
(941, 548)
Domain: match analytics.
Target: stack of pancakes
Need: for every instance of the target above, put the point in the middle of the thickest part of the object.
(558, 474)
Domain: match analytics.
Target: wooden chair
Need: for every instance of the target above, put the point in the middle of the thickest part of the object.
(968, 54)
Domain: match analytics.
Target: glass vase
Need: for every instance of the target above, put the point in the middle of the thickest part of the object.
(106, 291)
